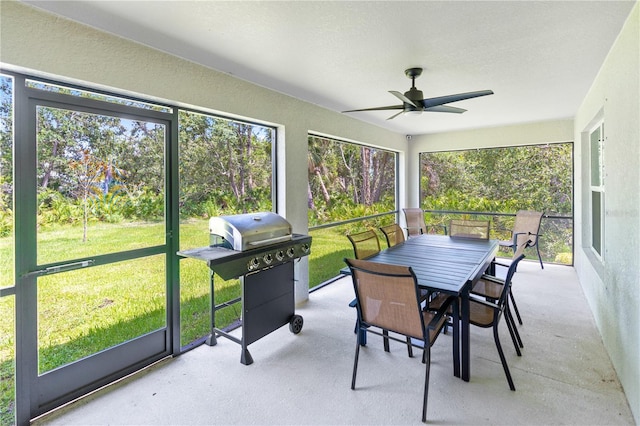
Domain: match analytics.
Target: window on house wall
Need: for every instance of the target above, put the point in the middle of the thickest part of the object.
(596, 159)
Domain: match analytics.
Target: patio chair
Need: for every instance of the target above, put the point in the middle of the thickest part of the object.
(366, 244)
(416, 226)
(388, 298)
(461, 228)
(393, 234)
(491, 286)
(487, 314)
(525, 227)
(414, 217)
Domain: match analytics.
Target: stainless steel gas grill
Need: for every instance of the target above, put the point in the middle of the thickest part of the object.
(260, 250)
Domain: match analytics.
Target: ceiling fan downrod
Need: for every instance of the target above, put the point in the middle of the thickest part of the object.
(413, 73)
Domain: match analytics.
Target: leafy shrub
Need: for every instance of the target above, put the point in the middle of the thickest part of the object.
(6, 222)
(54, 208)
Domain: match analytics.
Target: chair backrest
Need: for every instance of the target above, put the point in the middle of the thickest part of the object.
(387, 297)
(365, 244)
(527, 226)
(469, 228)
(517, 257)
(393, 234)
(415, 221)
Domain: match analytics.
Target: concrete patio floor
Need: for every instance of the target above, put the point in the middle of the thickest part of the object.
(563, 377)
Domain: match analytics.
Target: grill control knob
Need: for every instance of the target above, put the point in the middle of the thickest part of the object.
(305, 248)
(254, 263)
(280, 255)
(268, 258)
(291, 252)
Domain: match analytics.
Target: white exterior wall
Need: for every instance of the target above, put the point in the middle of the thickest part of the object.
(612, 285)
(42, 44)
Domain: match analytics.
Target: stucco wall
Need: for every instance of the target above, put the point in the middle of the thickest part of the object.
(612, 285)
(43, 44)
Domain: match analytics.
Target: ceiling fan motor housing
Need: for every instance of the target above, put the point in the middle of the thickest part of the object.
(416, 96)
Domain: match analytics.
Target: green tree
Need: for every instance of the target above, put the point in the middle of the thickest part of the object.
(225, 166)
(348, 180)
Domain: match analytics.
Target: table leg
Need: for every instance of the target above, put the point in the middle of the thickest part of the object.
(456, 338)
(466, 361)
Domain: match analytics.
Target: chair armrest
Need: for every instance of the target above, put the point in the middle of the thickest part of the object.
(492, 279)
(475, 299)
(409, 228)
(515, 235)
(500, 264)
(441, 312)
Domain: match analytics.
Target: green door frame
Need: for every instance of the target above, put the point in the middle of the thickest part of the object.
(29, 386)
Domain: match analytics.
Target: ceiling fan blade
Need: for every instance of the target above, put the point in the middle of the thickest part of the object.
(384, 108)
(403, 98)
(395, 115)
(445, 108)
(441, 100)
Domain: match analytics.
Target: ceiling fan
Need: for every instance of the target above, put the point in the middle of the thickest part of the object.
(414, 103)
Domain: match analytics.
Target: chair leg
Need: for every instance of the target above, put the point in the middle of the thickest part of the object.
(502, 358)
(446, 324)
(513, 326)
(515, 307)
(513, 332)
(409, 347)
(355, 362)
(362, 335)
(427, 359)
(539, 258)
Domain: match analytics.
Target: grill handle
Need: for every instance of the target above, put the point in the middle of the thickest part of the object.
(270, 241)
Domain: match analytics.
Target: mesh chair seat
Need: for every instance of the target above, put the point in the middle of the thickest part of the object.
(393, 234)
(414, 217)
(469, 228)
(481, 315)
(416, 225)
(487, 288)
(365, 244)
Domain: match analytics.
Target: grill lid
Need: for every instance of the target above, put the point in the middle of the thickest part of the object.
(248, 231)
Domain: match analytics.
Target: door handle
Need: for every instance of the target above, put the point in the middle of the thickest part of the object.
(61, 268)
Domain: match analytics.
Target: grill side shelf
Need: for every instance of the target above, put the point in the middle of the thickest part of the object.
(229, 264)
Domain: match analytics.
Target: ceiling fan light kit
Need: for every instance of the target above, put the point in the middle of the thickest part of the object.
(413, 101)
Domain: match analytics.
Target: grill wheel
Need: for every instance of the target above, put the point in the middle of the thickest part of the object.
(295, 325)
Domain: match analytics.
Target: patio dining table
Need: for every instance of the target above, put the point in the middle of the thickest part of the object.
(450, 265)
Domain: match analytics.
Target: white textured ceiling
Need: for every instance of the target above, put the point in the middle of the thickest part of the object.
(539, 57)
